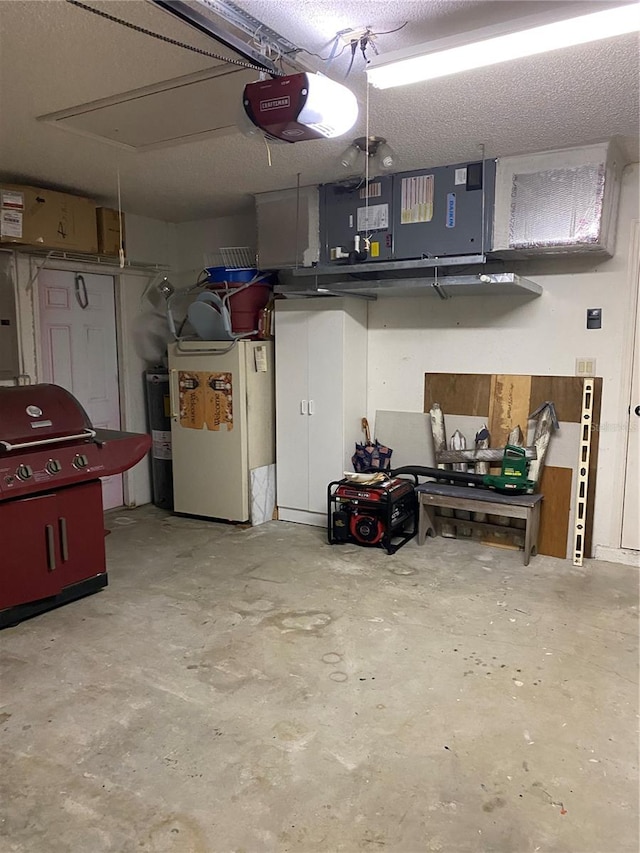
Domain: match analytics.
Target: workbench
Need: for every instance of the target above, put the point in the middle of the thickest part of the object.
(432, 496)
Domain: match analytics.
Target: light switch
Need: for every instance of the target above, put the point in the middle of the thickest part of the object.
(594, 318)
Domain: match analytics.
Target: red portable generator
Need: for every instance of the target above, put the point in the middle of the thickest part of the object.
(383, 515)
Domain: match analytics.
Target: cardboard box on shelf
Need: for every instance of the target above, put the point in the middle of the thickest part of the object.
(30, 216)
(108, 221)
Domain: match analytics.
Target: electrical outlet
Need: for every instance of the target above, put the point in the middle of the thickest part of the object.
(585, 366)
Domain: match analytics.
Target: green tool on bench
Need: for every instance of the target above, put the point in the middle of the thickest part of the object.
(513, 476)
(512, 479)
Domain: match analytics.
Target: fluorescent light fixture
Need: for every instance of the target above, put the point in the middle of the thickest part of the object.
(492, 45)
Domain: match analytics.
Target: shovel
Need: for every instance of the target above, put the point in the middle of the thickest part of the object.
(371, 454)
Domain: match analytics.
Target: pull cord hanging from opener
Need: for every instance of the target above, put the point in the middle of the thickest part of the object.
(121, 255)
(367, 239)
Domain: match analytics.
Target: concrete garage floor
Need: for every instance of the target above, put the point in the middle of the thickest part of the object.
(259, 690)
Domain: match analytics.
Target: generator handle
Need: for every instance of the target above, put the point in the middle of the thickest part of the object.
(410, 470)
(513, 450)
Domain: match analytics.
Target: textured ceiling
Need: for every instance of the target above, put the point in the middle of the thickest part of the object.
(54, 56)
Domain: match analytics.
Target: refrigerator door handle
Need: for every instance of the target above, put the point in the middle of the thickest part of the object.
(312, 408)
(303, 407)
(172, 394)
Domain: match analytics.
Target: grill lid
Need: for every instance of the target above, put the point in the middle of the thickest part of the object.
(31, 413)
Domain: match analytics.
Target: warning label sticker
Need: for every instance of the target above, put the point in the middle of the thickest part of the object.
(416, 203)
(12, 199)
(161, 443)
(10, 223)
(373, 218)
(206, 399)
(461, 176)
(374, 190)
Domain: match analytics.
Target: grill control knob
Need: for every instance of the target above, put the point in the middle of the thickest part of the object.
(23, 472)
(80, 461)
(53, 466)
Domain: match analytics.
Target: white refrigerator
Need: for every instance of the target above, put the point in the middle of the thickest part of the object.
(222, 427)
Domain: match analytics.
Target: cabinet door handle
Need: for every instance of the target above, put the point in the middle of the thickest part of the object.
(312, 408)
(51, 547)
(64, 542)
(303, 407)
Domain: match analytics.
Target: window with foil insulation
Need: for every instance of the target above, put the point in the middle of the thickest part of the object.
(558, 207)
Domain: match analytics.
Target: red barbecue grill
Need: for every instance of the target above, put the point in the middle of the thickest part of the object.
(51, 523)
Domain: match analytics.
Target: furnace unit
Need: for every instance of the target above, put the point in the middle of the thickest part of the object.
(442, 212)
(353, 212)
(446, 211)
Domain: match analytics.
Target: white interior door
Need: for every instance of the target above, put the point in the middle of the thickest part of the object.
(79, 351)
(631, 511)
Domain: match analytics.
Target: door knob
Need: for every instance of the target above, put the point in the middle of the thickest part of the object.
(637, 411)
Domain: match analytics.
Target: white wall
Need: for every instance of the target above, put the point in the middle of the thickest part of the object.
(411, 336)
(195, 241)
(149, 241)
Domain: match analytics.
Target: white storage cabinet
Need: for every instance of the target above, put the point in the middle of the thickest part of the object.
(321, 395)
